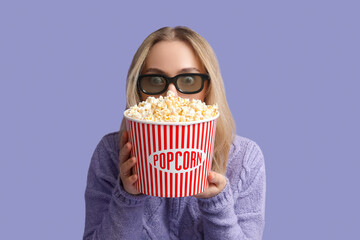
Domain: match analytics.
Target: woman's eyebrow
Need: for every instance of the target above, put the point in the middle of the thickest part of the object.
(184, 70)
(155, 70)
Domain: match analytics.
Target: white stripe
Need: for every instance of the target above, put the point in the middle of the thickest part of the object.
(172, 194)
(185, 137)
(134, 148)
(204, 149)
(180, 136)
(162, 148)
(146, 161)
(196, 135)
(156, 183)
(151, 144)
(190, 138)
(161, 187)
(199, 173)
(168, 147)
(188, 183)
(202, 142)
(210, 145)
(142, 156)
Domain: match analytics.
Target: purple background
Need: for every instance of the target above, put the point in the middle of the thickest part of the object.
(291, 71)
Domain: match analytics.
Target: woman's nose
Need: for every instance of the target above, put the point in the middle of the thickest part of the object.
(173, 89)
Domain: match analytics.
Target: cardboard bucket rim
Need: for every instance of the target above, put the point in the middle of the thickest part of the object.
(171, 123)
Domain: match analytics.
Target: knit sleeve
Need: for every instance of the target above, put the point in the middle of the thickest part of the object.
(111, 212)
(238, 211)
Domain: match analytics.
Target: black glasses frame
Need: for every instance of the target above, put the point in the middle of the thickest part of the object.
(173, 80)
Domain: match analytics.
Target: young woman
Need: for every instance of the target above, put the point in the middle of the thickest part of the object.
(233, 205)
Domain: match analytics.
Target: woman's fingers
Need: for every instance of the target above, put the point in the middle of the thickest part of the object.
(124, 152)
(127, 177)
(126, 163)
(217, 179)
(132, 179)
(125, 169)
(216, 182)
(214, 178)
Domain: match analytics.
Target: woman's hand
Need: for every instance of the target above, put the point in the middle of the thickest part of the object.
(126, 163)
(216, 183)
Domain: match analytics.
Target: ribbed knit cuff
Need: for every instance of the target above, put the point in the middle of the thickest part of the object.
(126, 198)
(216, 203)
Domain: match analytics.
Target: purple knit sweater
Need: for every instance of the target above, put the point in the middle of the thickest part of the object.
(237, 212)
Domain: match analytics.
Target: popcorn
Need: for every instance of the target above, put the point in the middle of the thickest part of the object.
(172, 109)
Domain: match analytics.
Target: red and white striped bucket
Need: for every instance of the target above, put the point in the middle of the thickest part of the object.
(174, 159)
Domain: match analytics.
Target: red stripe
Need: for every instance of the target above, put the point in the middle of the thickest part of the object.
(153, 134)
(197, 135)
(155, 170)
(207, 157)
(193, 136)
(142, 138)
(188, 137)
(204, 149)
(201, 147)
(177, 137)
(131, 133)
(183, 134)
(160, 172)
(145, 158)
(165, 148)
(171, 174)
(159, 136)
(150, 166)
(211, 146)
(202, 136)
(142, 160)
(209, 150)
(212, 140)
(165, 137)
(137, 155)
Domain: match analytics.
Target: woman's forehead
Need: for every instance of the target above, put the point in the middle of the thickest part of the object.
(171, 56)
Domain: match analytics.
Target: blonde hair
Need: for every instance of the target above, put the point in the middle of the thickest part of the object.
(225, 127)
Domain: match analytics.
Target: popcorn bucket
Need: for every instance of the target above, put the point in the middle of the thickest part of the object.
(174, 158)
